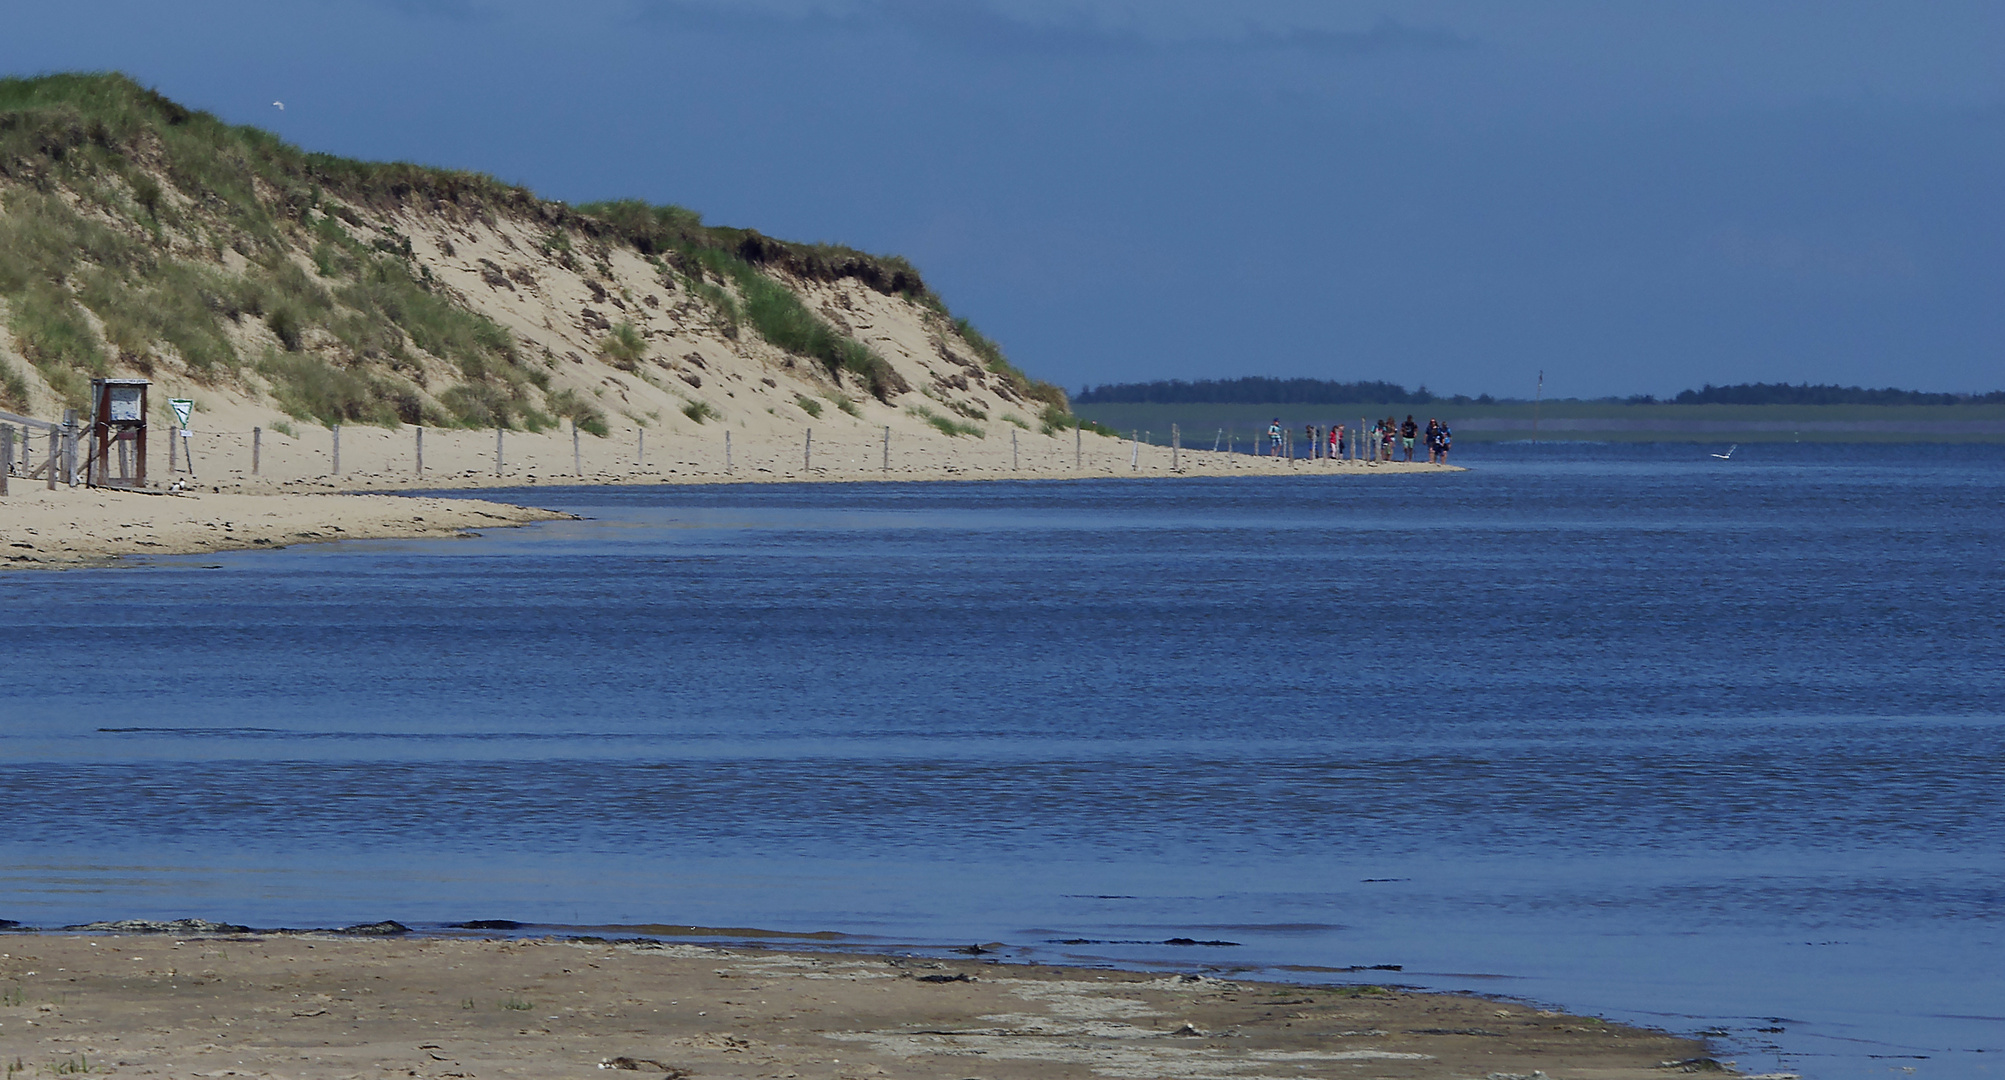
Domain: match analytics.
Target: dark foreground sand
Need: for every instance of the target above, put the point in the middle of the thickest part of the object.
(313, 1006)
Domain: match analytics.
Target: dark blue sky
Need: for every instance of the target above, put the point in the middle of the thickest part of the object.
(1634, 197)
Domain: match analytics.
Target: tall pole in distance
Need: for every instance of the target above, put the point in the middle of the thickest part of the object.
(497, 451)
(1078, 447)
(337, 449)
(421, 451)
(257, 447)
(808, 452)
(577, 462)
(887, 448)
(1538, 399)
(6, 455)
(727, 449)
(1012, 449)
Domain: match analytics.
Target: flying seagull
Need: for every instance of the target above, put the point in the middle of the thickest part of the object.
(1728, 456)
(280, 105)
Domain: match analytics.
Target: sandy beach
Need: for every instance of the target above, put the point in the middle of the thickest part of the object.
(343, 1007)
(296, 496)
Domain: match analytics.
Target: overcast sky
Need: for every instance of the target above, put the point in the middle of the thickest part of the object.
(1634, 197)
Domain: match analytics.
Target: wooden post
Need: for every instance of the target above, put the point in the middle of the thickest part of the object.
(1176, 448)
(170, 451)
(1135, 447)
(727, 449)
(257, 445)
(1078, 447)
(421, 450)
(887, 448)
(53, 437)
(337, 449)
(640, 448)
(497, 451)
(1012, 450)
(808, 452)
(70, 447)
(577, 463)
(7, 453)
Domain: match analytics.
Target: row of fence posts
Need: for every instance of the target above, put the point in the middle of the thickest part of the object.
(61, 464)
(1353, 447)
(62, 448)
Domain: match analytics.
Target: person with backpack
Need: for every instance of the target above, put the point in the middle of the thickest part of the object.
(1446, 439)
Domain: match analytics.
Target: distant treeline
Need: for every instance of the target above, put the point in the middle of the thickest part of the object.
(1260, 390)
(1252, 390)
(1806, 394)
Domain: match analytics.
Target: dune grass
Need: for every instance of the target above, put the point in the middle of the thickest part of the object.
(943, 424)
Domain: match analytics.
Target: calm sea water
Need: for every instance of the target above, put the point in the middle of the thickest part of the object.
(1708, 745)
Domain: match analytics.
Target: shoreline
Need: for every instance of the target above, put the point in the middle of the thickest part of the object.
(332, 1004)
(78, 528)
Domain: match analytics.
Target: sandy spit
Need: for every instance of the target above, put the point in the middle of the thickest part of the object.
(42, 529)
(297, 496)
(319, 1006)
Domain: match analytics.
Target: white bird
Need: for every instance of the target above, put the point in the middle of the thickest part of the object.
(280, 105)
(1728, 456)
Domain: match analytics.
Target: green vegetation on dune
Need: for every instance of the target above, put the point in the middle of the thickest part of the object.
(161, 198)
(136, 233)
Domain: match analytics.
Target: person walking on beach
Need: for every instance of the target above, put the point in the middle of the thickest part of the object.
(1388, 431)
(1446, 439)
(1335, 442)
(1407, 432)
(1274, 437)
(1433, 439)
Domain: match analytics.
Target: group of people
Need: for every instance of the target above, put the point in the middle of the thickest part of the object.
(1386, 439)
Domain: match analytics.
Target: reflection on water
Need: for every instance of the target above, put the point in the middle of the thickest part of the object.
(1622, 728)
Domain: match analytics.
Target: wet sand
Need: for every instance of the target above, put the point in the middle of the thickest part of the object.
(42, 529)
(327, 1006)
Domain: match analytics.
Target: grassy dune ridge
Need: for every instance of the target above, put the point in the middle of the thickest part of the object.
(137, 236)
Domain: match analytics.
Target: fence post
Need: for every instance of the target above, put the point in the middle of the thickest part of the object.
(170, 451)
(1078, 447)
(1176, 448)
(808, 452)
(577, 463)
(640, 448)
(497, 451)
(727, 450)
(53, 440)
(257, 444)
(1012, 450)
(7, 452)
(1135, 444)
(70, 447)
(337, 449)
(421, 450)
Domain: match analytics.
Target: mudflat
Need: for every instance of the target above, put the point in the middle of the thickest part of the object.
(327, 1006)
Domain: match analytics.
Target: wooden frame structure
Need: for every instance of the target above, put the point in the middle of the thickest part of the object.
(118, 420)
